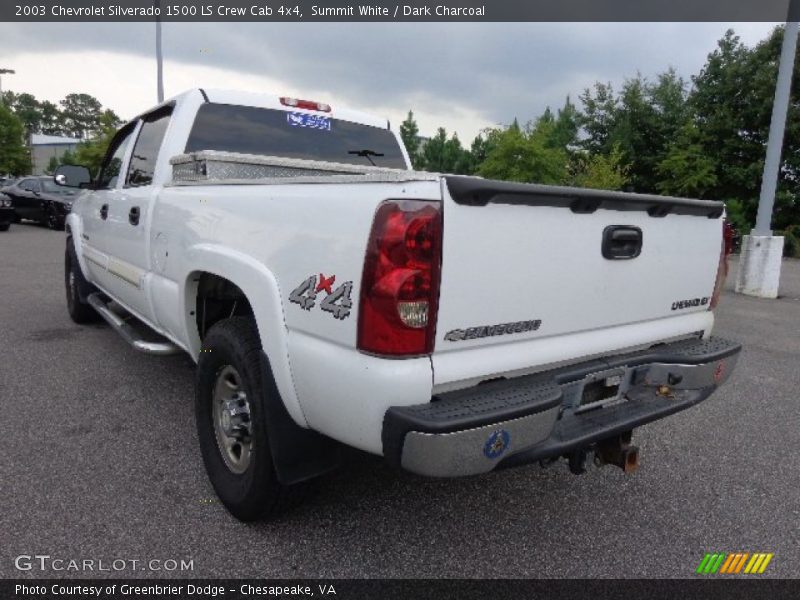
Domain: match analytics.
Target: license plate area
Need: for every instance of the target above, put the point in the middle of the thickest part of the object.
(605, 388)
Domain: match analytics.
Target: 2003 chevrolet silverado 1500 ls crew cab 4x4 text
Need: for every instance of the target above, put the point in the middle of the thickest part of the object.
(330, 295)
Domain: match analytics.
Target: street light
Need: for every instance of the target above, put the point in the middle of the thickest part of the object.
(159, 58)
(4, 72)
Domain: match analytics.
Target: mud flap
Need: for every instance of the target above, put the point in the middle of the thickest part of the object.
(299, 454)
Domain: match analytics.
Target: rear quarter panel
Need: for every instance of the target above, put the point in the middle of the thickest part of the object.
(292, 233)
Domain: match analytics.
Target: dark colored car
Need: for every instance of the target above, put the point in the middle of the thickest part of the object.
(40, 199)
(6, 212)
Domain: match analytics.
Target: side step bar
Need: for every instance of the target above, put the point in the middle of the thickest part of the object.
(128, 333)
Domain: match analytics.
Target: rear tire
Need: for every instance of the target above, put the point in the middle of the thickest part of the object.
(75, 283)
(236, 448)
(4, 226)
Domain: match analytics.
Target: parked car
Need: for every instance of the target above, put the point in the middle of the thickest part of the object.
(40, 199)
(331, 295)
(6, 212)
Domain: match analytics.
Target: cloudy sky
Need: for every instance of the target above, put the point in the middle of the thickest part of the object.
(458, 75)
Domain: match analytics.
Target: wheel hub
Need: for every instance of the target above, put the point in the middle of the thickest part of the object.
(232, 420)
(236, 417)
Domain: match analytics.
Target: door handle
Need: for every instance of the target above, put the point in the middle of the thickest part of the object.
(133, 215)
(621, 242)
(104, 212)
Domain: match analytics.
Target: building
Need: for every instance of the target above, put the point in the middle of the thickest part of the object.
(45, 147)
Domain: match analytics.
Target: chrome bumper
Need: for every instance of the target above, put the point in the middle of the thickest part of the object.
(517, 421)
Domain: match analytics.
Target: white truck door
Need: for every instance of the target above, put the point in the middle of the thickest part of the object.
(128, 219)
(95, 208)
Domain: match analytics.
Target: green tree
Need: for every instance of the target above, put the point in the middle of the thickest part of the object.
(566, 126)
(52, 165)
(480, 148)
(687, 169)
(524, 155)
(641, 122)
(599, 171)
(50, 118)
(8, 97)
(90, 153)
(432, 152)
(81, 115)
(719, 151)
(28, 110)
(409, 132)
(445, 155)
(732, 104)
(37, 117)
(598, 117)
(459, 159)
(66, 158)
(14, 157)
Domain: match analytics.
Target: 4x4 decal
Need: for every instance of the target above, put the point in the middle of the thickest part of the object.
(337, 301)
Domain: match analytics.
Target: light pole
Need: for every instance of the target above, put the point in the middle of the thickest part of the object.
(777, 128)
(762, 252)
(159, 59)
(4, 72)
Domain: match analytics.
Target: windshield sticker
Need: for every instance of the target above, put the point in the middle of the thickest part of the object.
(296, 119)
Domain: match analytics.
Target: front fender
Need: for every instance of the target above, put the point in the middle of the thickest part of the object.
(74, 228)
(263, 293)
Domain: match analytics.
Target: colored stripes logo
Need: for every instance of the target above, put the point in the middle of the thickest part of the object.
(734, 563)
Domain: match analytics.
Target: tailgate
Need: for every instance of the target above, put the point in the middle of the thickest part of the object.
(525, 280)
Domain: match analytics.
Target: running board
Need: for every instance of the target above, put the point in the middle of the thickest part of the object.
(129, 333)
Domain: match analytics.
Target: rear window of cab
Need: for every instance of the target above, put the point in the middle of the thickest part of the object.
(270, 132)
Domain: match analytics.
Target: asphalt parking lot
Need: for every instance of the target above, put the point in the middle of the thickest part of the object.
(100, 460)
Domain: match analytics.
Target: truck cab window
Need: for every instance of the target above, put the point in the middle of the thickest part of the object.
(109, 171)
(269, 132)
(145, 152)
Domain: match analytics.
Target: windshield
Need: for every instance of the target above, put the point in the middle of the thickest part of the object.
(268, 132)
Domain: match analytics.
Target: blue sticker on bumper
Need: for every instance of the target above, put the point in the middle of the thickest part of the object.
(497, 444)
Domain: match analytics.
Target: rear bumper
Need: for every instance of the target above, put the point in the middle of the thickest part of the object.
(516, 421)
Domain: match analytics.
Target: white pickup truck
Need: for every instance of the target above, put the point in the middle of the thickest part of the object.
(331, 295)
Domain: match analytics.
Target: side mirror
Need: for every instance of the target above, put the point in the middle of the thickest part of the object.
(73, 176)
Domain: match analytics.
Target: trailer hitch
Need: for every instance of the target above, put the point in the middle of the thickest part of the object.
(617, 451)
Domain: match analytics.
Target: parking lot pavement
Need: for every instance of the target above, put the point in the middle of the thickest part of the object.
(100, 461)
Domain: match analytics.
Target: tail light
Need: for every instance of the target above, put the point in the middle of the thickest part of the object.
(722, 268)
(400, 284)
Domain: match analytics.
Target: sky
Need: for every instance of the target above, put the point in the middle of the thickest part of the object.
(461, 76)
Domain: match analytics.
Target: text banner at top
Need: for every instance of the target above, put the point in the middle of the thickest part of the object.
(409, 11)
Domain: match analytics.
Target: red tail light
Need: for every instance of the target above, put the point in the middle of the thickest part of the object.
(400, 285)
(722, 268)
